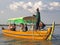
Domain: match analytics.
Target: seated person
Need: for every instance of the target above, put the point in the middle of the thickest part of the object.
(26, 28)
(12, 27)
(21, 27)
(42, 25)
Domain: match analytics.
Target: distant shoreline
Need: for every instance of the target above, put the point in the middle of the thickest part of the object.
(18, 25)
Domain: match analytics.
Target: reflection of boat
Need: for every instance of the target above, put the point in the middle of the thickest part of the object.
(36, 35)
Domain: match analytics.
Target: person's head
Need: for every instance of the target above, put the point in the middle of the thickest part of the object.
(25, 24)
(21, 24)
(37, 9)
(40, 24)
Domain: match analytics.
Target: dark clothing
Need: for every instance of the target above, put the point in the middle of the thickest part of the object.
(43, 25)
(26, 28)
(37, 25)
(13, 27)
(38, 16)
(38, 19)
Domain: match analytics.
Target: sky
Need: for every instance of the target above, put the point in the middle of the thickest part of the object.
(49, 10)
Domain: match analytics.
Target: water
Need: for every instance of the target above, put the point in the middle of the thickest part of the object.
(11, 41)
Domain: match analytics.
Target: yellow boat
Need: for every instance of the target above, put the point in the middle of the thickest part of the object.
(45, 34)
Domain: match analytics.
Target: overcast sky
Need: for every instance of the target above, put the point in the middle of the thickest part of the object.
(49, 9)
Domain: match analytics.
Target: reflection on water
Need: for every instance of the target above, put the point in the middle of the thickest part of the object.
(11, 41)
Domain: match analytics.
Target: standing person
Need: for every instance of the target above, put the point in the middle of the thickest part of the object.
(38, 18)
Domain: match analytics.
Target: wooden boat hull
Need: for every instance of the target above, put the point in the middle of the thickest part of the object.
(36, 35)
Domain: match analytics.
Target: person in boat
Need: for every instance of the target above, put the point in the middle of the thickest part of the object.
(38, 18)
(21, 27)
(26, 28)
(12, 27)
(42, 25)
